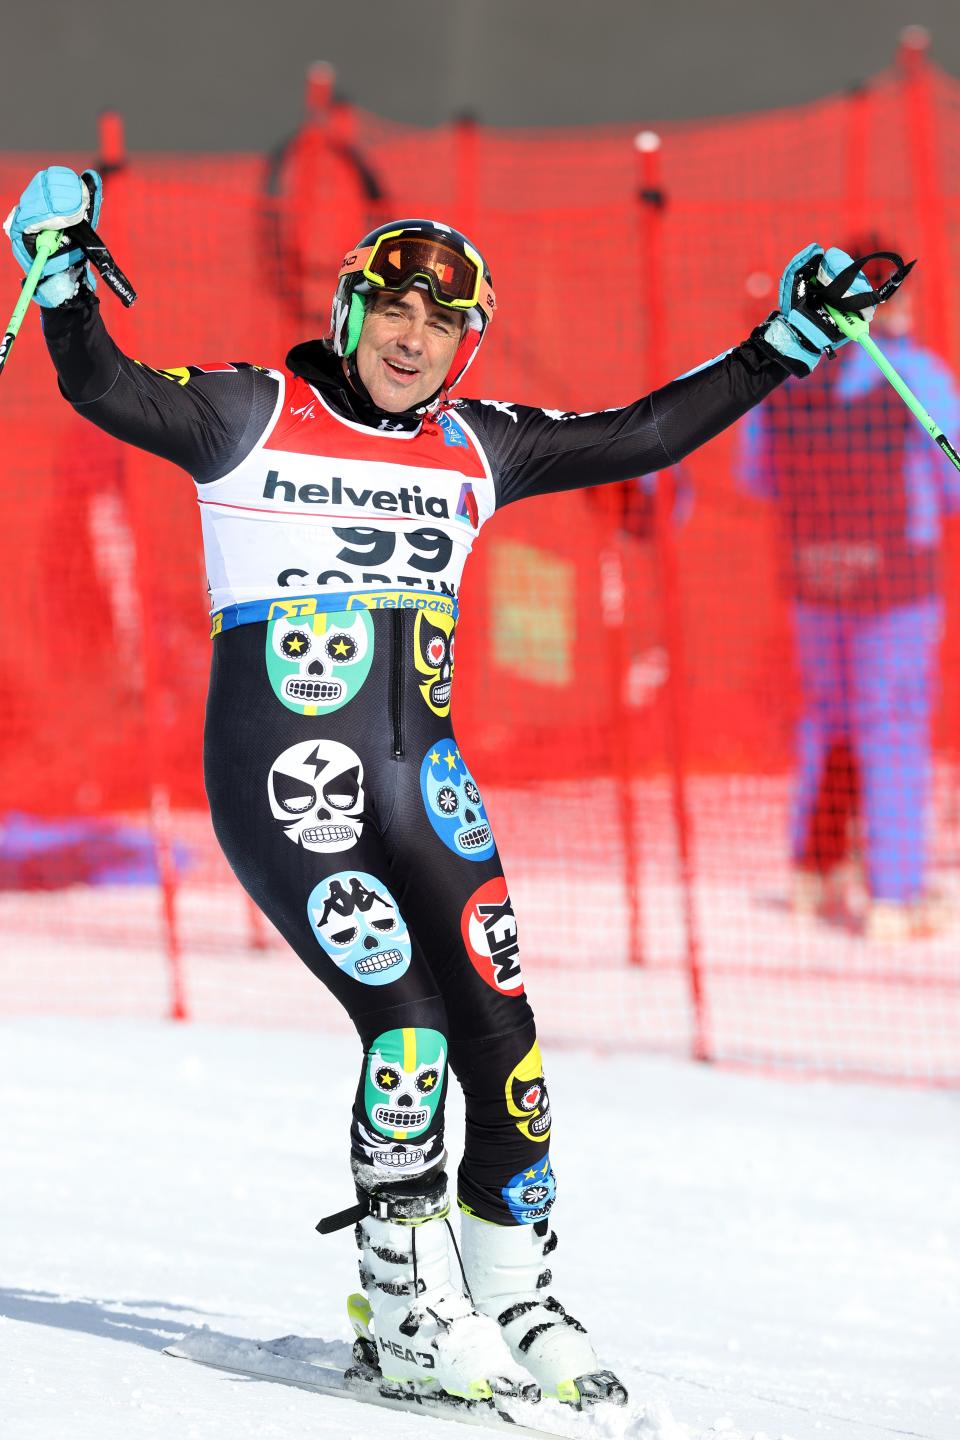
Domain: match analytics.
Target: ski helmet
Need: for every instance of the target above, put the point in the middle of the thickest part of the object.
(414, 252)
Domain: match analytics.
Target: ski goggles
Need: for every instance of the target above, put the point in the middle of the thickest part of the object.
(398, 258)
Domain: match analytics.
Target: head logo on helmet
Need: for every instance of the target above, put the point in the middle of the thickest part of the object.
(414, 252)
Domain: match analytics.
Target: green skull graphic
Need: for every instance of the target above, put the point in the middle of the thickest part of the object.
(404, 1081)
(316, 663)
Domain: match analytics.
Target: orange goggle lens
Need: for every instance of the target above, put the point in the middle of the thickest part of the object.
(396, 260)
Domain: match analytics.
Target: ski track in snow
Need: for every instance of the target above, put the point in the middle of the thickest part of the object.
(789, 1266)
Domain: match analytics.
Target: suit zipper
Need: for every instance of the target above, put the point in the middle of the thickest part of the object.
(396, 684)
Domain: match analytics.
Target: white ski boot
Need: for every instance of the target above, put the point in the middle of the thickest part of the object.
(415, 1323)
(504, 1269)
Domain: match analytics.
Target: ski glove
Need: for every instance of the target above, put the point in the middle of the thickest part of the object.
(55, 198)
(797, 332)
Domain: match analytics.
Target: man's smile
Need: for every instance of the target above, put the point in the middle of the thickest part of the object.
(400, 369)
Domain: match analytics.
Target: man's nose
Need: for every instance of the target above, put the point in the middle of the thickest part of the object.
(411, 337)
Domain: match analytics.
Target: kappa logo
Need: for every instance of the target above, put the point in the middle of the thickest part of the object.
(582, 414)
(505, 407)
(489, 929)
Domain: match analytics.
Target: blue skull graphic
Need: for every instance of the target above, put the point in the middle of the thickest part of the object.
(453, 804)
(531, 1192)
(358, 923)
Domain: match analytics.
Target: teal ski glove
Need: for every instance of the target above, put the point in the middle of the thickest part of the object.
(55, 198)
(801, 330)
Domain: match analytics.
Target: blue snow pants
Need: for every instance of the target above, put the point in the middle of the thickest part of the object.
(869, 679)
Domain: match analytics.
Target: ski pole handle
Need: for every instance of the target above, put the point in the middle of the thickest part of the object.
(856, 328)
(84, 235)
(48, 241)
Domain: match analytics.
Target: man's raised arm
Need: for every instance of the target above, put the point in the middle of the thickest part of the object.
(205, 421)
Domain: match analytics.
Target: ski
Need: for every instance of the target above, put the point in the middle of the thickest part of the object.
(285, 1362)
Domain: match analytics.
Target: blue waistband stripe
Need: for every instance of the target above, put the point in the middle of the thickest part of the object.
(248, 612)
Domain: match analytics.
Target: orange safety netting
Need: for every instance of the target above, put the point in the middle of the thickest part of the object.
(631, 676)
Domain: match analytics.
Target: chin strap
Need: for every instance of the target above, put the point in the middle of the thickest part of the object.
(370, 414)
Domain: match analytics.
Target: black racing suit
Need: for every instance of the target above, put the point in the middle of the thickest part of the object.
(338, 794)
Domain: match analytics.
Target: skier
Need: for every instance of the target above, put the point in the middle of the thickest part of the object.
(339, 502)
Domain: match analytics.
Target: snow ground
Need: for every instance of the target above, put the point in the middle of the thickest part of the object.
(788, 1264)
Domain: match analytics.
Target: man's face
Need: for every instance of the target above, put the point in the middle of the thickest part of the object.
(406, 347)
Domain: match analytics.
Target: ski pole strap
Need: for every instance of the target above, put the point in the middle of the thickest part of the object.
(84, 235)
(856, 328)
(833, 293)
(343, 1218)
(820, 301)
(47, 242)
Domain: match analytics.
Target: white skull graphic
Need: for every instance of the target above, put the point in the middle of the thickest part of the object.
(397, 1157)
(316, 790)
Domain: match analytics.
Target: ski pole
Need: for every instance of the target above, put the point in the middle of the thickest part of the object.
(84, 235)
(48, 241)
(857, 329)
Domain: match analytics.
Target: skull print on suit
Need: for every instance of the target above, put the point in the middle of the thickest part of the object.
(317, 663)
(379, 868)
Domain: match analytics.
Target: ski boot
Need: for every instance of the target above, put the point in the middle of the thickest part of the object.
(504, 1269)
(414, 1322)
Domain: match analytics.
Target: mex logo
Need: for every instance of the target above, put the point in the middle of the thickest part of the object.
(489, 929)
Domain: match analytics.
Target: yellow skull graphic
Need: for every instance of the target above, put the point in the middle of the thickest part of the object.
(527, 1098)
(433, 657)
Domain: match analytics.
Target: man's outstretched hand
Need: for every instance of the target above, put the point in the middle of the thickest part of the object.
(796, 332)
(55, 199)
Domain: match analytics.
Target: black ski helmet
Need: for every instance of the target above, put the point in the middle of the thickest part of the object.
(414, 252)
